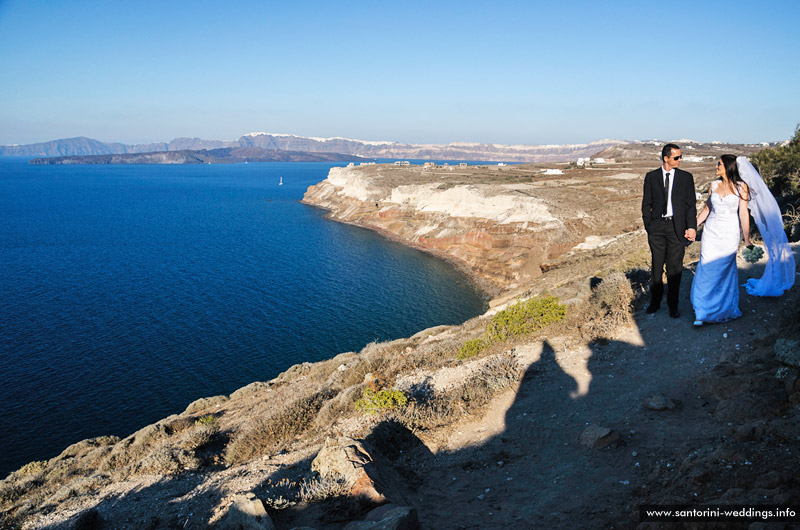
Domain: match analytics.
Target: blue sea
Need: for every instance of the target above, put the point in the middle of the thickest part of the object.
(127, 292)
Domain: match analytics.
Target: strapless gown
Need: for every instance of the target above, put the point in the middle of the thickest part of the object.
(715, 289)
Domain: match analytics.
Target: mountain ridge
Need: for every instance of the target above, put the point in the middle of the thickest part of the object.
(83, 146)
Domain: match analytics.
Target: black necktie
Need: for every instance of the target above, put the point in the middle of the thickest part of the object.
(666, 182)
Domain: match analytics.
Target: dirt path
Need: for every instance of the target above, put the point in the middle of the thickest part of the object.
(523, 465)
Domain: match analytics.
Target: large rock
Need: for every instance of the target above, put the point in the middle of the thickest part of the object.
(372, 479)
(387, 517)
(246, 513)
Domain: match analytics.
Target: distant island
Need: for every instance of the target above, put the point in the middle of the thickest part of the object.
(224, 155)
(458, 151)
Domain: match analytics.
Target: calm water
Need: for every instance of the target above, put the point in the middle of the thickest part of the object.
(126, 292)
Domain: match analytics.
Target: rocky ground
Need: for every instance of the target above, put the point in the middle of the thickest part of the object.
(573, 427)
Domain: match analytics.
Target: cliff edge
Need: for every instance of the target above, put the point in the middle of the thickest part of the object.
(502, 224)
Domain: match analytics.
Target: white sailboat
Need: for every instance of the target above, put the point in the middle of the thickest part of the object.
(281, 182)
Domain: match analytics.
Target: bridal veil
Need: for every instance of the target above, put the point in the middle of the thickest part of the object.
(780, 270)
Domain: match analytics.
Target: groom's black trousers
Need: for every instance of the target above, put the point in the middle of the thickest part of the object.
(665, 248)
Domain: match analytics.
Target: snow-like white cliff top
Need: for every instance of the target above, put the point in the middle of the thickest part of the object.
(525, 147)
(517, 147)
(319, 139)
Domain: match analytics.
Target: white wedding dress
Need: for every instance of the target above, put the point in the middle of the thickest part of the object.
(715, 289)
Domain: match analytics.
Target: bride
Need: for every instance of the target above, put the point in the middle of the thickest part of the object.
(715, 290)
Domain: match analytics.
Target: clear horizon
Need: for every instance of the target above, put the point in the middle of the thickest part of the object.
(424, 73)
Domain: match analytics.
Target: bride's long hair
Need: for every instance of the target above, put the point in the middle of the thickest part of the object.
(732, 172)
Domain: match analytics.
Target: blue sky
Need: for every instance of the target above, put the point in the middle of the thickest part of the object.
(421, 72)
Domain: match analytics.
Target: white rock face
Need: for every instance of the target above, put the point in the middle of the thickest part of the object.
(352, 184)
(473, 201)
(501, 204)
(593, 242)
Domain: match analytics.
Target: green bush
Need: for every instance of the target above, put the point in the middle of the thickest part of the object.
(522, 318)
(471, 348)
(780, 166)
(373, 401)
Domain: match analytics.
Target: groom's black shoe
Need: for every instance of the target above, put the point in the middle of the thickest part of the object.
(651, 309)
(674, 313)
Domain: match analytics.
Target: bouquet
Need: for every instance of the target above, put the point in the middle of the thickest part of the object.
(752, 253)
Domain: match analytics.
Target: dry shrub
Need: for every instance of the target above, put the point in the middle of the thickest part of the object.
(167, 459)
(76, 488)
(436, 409)
(322, 488)
(337, 407)
(199, 436)
(427, 356)
(10, 491)
(356, 374)
(500, 372)
(609, 307)
(126, 456)
(178, 425)
(271, 434)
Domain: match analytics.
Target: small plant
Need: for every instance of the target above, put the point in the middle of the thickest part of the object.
(373, 401)
(209, 421)
(32, 468)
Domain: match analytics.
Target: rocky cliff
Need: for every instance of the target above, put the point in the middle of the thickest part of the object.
(505, 225)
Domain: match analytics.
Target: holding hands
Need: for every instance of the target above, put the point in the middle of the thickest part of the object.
(690, 234)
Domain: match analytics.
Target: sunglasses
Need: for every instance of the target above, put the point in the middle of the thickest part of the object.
(677, 157)
(719, 164)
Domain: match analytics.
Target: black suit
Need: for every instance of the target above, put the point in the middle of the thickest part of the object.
(667, 244)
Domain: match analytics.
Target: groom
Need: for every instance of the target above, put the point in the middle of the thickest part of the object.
(669, 213)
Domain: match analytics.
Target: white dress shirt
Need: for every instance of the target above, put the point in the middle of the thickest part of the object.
(669, 191)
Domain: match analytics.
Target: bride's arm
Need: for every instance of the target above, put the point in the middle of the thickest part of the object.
(706, 210)
(744, 214)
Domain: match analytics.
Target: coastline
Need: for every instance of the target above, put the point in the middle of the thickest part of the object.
(489, 290)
